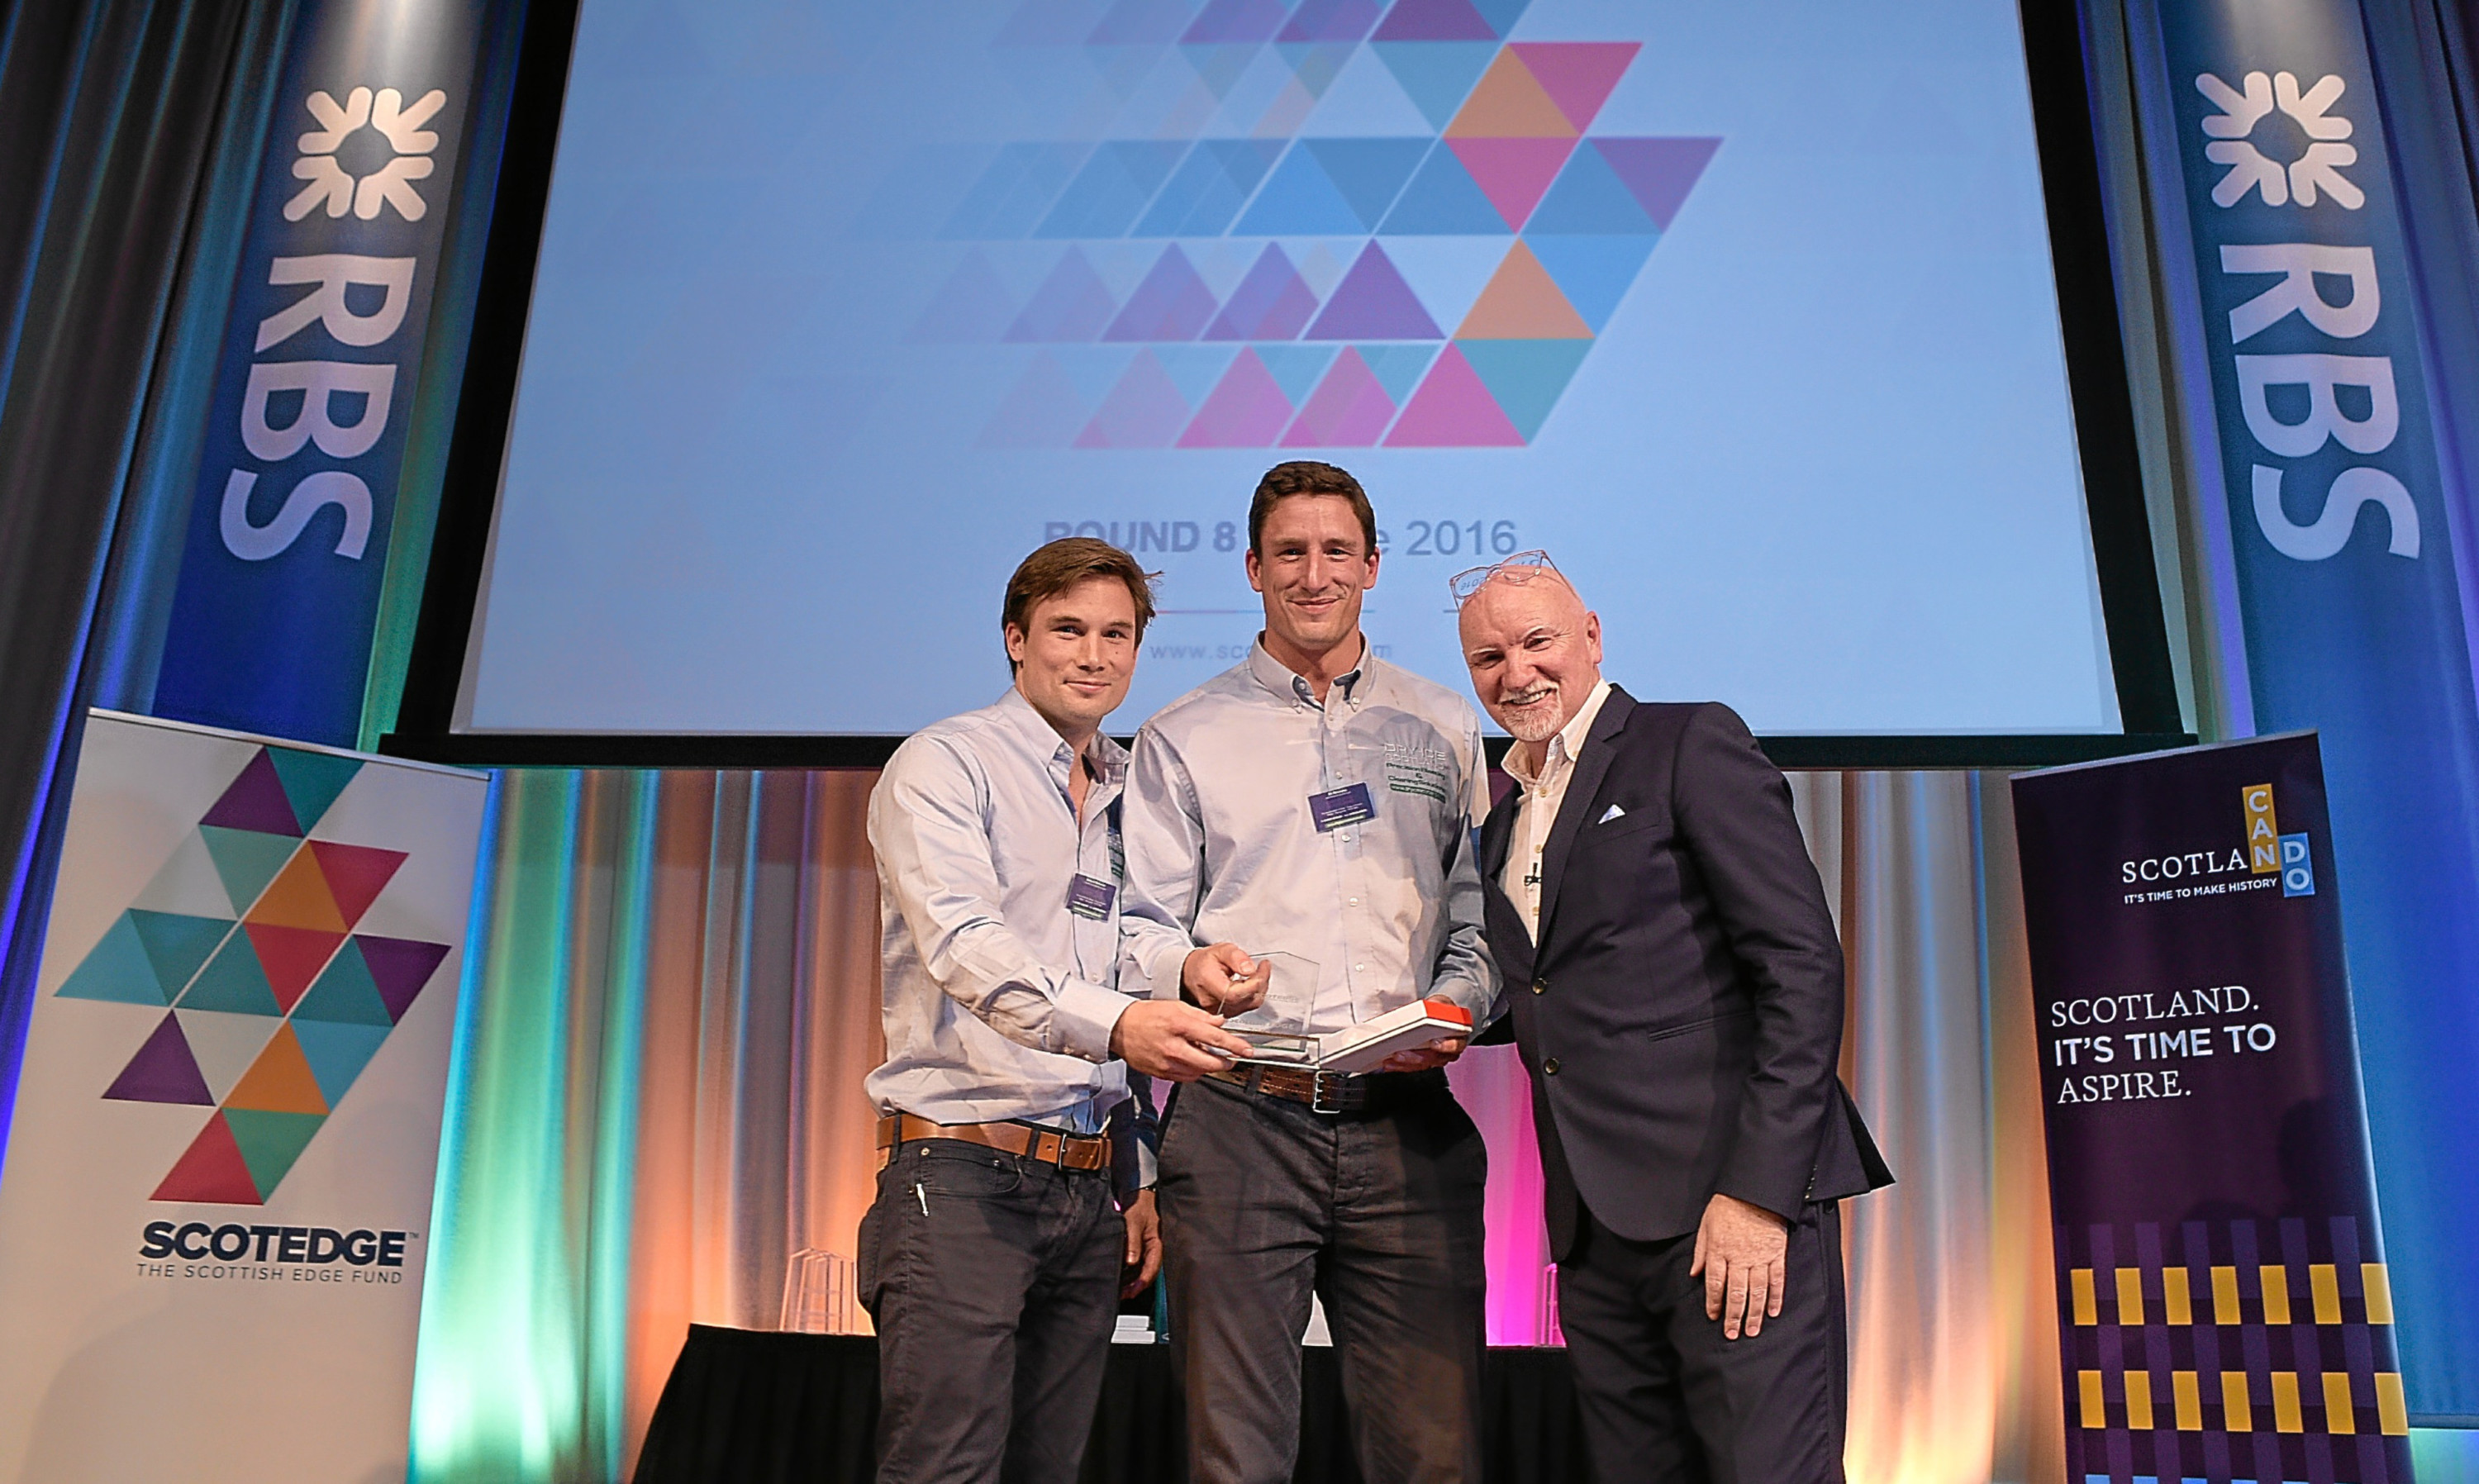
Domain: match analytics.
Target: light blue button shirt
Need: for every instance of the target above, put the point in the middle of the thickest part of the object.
(998, 1002)
(1222, 846)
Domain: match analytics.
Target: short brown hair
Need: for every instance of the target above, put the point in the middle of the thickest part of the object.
(1060, 565)
(1308, 476)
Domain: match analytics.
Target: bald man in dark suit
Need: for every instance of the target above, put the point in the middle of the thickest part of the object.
(1675, 988)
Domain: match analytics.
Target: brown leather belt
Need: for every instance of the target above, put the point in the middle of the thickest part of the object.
(1325, 1092)
(1051, 1147)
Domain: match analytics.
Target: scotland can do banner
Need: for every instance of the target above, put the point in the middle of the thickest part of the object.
(2222, 1296)
(216, 1203)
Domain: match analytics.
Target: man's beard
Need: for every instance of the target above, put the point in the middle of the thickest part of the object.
(1537, 723)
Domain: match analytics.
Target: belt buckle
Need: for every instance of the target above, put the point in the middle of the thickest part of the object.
(1317, 1084)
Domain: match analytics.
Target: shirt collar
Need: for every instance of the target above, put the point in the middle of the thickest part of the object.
(1283, 682)
(1567, 743)
(1109, 759)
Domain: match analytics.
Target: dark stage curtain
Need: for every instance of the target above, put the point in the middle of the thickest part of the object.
(752, 1407)
(111, 112)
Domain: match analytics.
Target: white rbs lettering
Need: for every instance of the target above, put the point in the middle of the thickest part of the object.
(2321, 376)
(329, 487)
(333, 273)
(2330, 530)
(359, 301)
(319, 382)
(2299, 262)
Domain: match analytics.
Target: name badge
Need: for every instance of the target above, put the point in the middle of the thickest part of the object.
(1343, 806)
(1089, 898)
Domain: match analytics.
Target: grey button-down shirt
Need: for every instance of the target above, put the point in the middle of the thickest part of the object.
(998, 1002)
(1222, 846)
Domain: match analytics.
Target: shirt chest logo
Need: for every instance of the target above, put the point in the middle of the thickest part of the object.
(1424, 771)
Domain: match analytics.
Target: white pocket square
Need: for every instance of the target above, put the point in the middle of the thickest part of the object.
(1610, 814)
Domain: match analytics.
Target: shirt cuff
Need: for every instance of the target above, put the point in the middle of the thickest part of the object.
(1148, 1166)
(1468, 993)
(1162, 964)
(1084, 1015)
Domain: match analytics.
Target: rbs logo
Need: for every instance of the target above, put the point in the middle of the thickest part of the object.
(337, 407)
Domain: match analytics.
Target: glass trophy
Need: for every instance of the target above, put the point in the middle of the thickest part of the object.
(1278, 1025)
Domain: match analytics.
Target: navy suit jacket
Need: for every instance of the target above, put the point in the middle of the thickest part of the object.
(1681, 1014)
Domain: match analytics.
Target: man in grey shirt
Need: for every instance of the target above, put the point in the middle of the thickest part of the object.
(1313, 806)
(992, 1257)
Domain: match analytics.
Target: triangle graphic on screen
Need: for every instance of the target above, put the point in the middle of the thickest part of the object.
(1513, 172)
(1373, 302)
(1349, 410)
(1246, 411)
(1577, 75)
(1453, 410)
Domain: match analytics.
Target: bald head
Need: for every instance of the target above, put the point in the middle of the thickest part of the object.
(1534, 651)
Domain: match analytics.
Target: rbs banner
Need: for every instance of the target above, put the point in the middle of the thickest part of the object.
(279, 589)
(2343, 559)
(2222, 1294)
(216, 1198)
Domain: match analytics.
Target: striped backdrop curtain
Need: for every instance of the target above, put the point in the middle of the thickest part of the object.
(656, 1103)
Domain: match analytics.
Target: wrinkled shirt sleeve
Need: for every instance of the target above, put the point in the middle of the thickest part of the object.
(1164, 833)
(928, 821)
(1465, 974)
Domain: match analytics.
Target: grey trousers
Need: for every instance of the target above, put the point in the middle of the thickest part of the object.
(1380, 1213)
(1665, 1398)
(994, 1284)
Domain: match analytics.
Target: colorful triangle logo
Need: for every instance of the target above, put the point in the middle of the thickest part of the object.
(1453, 410)
(311, 781)
(212, 1171)
(292, 957)
(1247, 410)
(233, 980)
(246, 859)
(117, 970)
(280, 1080)
(400, 968)
(338, 1053)
(269, 1142)
(1577, 76)
(355, 873)
(1373, 302)
(299, 898)
(1523, 303)
(255, 801)
(1510, 103)
(162, 1071)
(346, 994)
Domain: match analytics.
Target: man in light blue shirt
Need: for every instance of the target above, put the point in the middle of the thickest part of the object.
(1308, 812)
(992, 1256)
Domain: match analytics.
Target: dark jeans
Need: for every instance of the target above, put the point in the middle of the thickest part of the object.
(1380, 1212)
(1665, 1398)
(994, 1283)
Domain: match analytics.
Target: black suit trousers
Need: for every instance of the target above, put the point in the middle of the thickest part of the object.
(1667, 1400)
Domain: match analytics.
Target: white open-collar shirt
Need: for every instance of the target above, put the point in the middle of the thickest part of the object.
(1223, 847)
(1543, 795)
(997, 1001)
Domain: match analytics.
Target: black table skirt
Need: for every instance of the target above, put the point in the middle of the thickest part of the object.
(752, 1407)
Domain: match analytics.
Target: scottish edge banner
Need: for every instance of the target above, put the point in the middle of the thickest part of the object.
(216, 1197)
(279, 590)
(2224, 1305)
(2345, 573)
